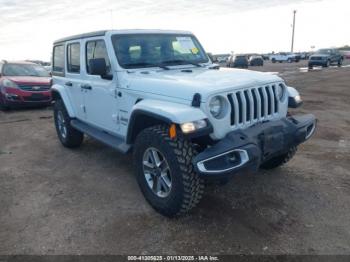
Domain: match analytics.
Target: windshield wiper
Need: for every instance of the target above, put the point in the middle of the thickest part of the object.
(181, 62)
(141, 64)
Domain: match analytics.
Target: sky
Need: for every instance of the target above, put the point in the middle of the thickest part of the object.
(29, 27)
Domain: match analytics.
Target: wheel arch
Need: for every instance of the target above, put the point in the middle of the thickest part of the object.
(141, 119)
(59, 93)
(147, 113)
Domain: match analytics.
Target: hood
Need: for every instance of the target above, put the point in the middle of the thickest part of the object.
(183, 85)
(29, 80)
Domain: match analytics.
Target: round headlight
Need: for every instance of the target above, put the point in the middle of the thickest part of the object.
(216, 106)
(280, 91)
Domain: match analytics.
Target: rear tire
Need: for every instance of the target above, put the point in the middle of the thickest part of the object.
(185, 188)
(273, 60)
(68, 136)
(279, 160)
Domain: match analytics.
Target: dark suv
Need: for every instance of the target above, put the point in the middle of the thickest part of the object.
(240, 61)
(325, 57)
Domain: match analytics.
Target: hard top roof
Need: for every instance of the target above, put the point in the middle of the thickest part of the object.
(124, 31)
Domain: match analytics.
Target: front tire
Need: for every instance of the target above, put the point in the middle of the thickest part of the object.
(327, 64)
(68, 136)
(165, 173)
(340, 62)
(279, 160)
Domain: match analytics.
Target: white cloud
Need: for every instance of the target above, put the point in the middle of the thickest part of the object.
(30, 26)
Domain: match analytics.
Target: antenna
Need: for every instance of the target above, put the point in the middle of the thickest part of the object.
(294, 12)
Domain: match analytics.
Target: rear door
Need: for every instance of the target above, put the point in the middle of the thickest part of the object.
(73, 77)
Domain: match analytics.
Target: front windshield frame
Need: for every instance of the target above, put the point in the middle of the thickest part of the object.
(203, 59)
(29, 70)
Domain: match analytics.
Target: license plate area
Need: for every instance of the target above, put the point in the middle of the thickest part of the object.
(273, 143)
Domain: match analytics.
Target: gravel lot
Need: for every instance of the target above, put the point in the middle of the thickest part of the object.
(86, 201)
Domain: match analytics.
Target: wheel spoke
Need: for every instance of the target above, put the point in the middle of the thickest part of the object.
(148, 167)
(156, 159)
(166, 183)
(164, 167)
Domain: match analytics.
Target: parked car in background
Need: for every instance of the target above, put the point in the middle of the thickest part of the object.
(240, 61)
(23, 84)
(256, 61)
(325, 58)
(284, 57)
(265, 57)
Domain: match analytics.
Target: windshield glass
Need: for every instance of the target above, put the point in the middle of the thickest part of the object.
(324, 51)
(25, 70)
(150, 50)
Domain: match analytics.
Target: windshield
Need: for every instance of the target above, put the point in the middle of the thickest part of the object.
(324, 51)
(150, 50)
(25, 70)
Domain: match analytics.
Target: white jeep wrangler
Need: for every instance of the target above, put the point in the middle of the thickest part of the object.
(157, 94)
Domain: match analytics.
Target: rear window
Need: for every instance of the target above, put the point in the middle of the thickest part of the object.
(58, 59)
(73, 58)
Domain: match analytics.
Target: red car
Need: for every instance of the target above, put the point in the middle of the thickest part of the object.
(24, 84)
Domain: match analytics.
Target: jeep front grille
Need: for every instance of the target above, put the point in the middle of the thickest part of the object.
(253, 105)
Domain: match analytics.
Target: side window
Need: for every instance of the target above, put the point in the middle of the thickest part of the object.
(73, 58)
(97, 49)
(58, 60)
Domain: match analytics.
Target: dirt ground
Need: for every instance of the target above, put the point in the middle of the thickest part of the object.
(86, 201)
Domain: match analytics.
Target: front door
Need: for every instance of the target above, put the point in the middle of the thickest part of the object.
(100, 93)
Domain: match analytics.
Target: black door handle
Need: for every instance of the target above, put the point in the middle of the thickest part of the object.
(69, 84)
(88, 87)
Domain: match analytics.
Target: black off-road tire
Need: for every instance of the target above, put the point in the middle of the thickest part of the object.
(73, 138)
(340, 62)
(327, 64)
(3, 107)
(187, 187)
(279, 160)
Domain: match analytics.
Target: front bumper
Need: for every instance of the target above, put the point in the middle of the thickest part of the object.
(249, 148)
(15, 96)
(317, 63)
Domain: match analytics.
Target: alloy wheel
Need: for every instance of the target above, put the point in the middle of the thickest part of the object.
(157, 172)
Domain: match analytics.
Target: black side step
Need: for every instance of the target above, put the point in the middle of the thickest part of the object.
(105, 138)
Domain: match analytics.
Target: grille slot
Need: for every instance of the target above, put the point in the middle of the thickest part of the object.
(253, 105)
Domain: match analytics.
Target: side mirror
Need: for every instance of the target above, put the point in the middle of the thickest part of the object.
(98, 67)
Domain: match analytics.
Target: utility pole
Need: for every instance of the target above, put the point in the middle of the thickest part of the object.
(294, 12)
(111, 12)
